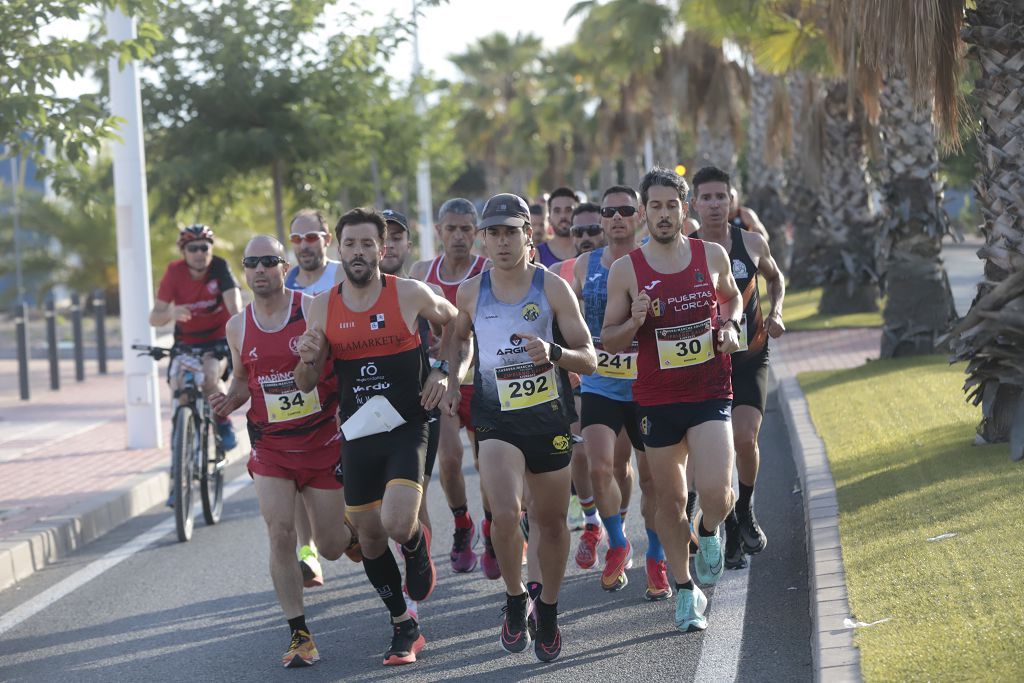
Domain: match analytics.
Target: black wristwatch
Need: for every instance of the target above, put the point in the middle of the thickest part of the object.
(442, 366)
(735, 324)
(554, 352)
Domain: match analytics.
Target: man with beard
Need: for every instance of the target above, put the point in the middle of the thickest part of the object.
(367, 327)
(676, 296)
(294, 433)
(750, 256)
(539, 217)
(559, 247)
(456, 229)
(528, 335)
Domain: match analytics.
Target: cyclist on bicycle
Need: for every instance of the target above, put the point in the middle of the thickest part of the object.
(200, 294)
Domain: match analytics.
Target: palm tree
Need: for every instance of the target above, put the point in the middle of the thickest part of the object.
(803, 182)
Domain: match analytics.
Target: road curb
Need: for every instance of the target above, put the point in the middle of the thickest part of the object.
(833, 654)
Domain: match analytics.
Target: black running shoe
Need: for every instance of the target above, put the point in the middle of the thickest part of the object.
(734, 556)
(754, 540)
(548, 644)
(514, 633)
(420, 575)
(406, 643)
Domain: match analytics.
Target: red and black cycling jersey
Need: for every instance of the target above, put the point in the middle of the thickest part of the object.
(203, 297)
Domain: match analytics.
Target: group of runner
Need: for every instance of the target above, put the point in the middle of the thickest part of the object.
(560, 358)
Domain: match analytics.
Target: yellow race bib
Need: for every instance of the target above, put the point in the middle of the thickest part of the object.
(616, 365)
(285, 402)
(684, 346)
(524, 384)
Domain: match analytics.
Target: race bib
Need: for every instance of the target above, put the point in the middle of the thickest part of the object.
(616, 365)
(685, 345)
(743, 334)
(524, 384)
(285, 402)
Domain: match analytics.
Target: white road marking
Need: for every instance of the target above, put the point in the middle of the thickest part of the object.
(720, 647)
(97, 567)
(66, 428)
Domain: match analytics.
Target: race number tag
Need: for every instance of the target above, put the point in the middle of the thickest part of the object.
(743, 335)
(524, 384)
(616, 365)
(285, 402)
(685, 345)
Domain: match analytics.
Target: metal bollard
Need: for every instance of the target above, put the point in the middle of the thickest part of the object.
(99, 309)
(51, 342)
(21, 323)
(76, 332)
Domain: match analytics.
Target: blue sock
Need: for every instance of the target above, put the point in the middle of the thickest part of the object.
(654, 549)
(613, 524)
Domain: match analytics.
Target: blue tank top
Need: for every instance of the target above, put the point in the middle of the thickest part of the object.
(325, 282)
(510, 392)
(595, 298)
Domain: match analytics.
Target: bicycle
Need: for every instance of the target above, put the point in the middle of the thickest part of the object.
(190, 439)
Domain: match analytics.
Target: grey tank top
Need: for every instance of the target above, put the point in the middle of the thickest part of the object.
(510, 392)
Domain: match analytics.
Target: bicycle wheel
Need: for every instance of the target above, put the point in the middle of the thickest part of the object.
(211, 478)
(186, 443)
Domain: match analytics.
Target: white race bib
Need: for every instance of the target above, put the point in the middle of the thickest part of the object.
(524, 384)
(684, 346)
(285, 402)
(616, 365)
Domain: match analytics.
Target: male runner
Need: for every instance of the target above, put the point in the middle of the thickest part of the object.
(539, 216)
(294, 434)
(559, 246)
(367, 326)
(456, 229)
(749, 254)
(668, 295)
(529, 333)
(611, 429)
(741, 216)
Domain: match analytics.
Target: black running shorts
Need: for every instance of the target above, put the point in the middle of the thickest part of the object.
(373, 463)
(543, 452)
(433, 437)
(666, 425)
(750, 382)
(601, 410)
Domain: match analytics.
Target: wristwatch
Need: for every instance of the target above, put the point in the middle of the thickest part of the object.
(442, 366)
(554, 352)
(735, 324)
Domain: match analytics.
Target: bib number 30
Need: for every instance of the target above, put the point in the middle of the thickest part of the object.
(685, 345)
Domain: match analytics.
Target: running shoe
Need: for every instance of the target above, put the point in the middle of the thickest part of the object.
(709, 563)
(658, 587)
(488, 560)
(301, 652)
(616, 562)
(226, 432)
(312, 574)
(548, 644)
(406, 643)
(354, 551)
(734, 556)
(591, 539)
(754, 540)
(420, 575)
(690, 606)
(410, 605)
(574, 518)
(462, 556)
(515, 635)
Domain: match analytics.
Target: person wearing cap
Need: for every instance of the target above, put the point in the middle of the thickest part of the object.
(559, 247)
(529, 334)
(456, 230)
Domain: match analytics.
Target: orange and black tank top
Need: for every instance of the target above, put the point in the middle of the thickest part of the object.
(375, 353)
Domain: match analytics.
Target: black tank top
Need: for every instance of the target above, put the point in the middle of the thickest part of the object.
(744, 271)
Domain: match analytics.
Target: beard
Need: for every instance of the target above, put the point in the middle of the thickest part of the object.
(665, 239)
(311, 260)
(392, 265)
(370, 268)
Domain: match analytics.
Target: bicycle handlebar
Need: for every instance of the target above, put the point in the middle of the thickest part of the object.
(160, 352)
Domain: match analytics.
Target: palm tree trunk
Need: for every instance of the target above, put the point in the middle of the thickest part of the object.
(919, 307)
(802, 203)
(991, 336)
(715, 148)
(764, 180)
(847, 223)
(277, 169)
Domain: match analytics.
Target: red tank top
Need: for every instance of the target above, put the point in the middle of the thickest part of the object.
(677, 361)
(451, 288)
(375, 352)
(280, 416)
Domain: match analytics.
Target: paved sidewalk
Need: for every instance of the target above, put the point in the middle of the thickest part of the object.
(833, 652)
(66, 477)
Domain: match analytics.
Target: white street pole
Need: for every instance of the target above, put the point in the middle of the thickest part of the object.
(423, 198)
(142, 398)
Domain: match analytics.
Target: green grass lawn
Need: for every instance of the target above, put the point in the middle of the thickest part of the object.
(899, 434)
(800, 312)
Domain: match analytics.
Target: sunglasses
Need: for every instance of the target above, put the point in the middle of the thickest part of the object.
(591, 230)
(307, 237)
(196, 248)
(624, 211)
(265, 261)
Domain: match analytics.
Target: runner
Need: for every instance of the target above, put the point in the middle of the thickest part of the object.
(199, 294)
(294, 434)
(456, 228)
(539, 216)
(373, 342)
(749, 253)
(528, 333)
(559, 246)
(741, 216)
(668, 295)
(611, 429)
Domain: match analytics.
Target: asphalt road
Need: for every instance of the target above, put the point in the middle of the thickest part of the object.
(205, 610)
